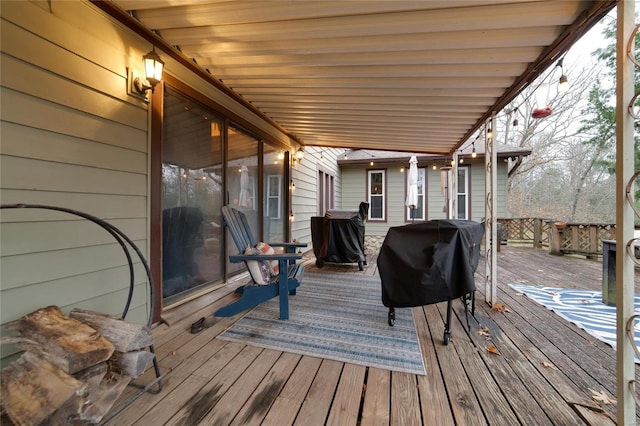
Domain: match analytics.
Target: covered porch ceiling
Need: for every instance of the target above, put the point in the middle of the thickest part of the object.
(416, 76)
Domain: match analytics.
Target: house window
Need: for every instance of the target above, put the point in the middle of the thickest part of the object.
(376, 194)
(273, 201)
(418, 213)
(325, 192)
(463, 193)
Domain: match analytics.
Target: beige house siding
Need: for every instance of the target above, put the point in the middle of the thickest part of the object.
(73, 137)
(305, 195)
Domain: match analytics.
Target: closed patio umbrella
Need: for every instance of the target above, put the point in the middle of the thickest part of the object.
(245, 196)
(412, 189)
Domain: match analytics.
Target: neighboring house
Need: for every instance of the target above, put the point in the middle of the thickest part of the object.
(381, 178)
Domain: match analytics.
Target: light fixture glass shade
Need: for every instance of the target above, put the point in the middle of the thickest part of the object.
(563, 85)
(153, 66)
(299, 154)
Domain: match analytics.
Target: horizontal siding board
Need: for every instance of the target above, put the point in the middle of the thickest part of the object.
(28, 142)
(70, 290)
(80, 28)
(34, 268)
(25, 78)
(56, 118)
(103, 206)
(41, 53)
(35, 237)
(29, 174)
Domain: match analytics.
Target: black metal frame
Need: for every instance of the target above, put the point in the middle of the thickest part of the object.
(121, 238)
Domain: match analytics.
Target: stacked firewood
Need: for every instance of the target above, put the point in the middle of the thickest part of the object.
(74, 367)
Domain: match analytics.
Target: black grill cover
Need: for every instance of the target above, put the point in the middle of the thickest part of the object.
(429, 262)
(338, 237)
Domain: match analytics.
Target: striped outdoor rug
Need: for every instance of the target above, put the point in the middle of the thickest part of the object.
(339, 317)
(583, 308)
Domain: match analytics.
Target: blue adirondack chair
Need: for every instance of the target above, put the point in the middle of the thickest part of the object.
(289, 276)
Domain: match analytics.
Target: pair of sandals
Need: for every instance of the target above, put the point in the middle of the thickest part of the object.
(201, 324)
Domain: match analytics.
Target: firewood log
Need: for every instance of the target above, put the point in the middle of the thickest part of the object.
(131, 364)
(102, 397)
(36, 391)
(124, 335)
(65, 342)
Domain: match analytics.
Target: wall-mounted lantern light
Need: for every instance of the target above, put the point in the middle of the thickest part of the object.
(153, 67)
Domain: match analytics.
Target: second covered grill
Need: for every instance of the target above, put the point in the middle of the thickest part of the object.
(338, 236)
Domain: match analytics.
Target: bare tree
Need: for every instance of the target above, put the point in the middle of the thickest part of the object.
(553, 180)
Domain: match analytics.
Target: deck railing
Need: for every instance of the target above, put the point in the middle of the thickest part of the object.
(559, 237)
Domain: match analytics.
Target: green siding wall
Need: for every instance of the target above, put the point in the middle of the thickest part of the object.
(354, 180)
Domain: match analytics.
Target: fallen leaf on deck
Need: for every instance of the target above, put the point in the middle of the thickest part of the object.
(500, 307)
(493, 350)
(484, 331)
(601, 397)
(547, 365)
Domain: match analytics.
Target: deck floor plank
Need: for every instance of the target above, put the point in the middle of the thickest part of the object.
(464, 403)
(346, 406)
(375, 411)
(434, 402)
(258, 405)
(186, 385)
(286, 406)
(198, 401)
(490, 378)
(542, 376)
(405, 404)
(551, 388)
(234, 398)
(316, 406)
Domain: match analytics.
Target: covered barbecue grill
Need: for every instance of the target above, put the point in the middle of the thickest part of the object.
(338, 236)
(428, 263)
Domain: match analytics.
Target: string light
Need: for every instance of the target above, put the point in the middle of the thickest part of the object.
(434, 166)
(292, 185)
(563, 83)
(515, 116)
(489, 130)
(291, 216)
(402, 169)
(474, 154)
(345, 155)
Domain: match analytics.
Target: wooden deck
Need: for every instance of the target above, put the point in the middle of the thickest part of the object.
(546, 372)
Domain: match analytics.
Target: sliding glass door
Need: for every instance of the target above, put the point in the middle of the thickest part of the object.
(192, 196)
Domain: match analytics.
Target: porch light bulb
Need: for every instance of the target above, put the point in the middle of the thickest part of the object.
(563, 85)
(153, 66)
(280, 156)
(371, 163)
(473, 150)
(299, 154)
(433, 167)
(461, 160)
(402, 169)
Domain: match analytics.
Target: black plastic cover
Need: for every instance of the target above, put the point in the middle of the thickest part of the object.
(338, 237)
(429, 262)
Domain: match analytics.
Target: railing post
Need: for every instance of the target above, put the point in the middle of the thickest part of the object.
(554, 239)
(537, 233)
